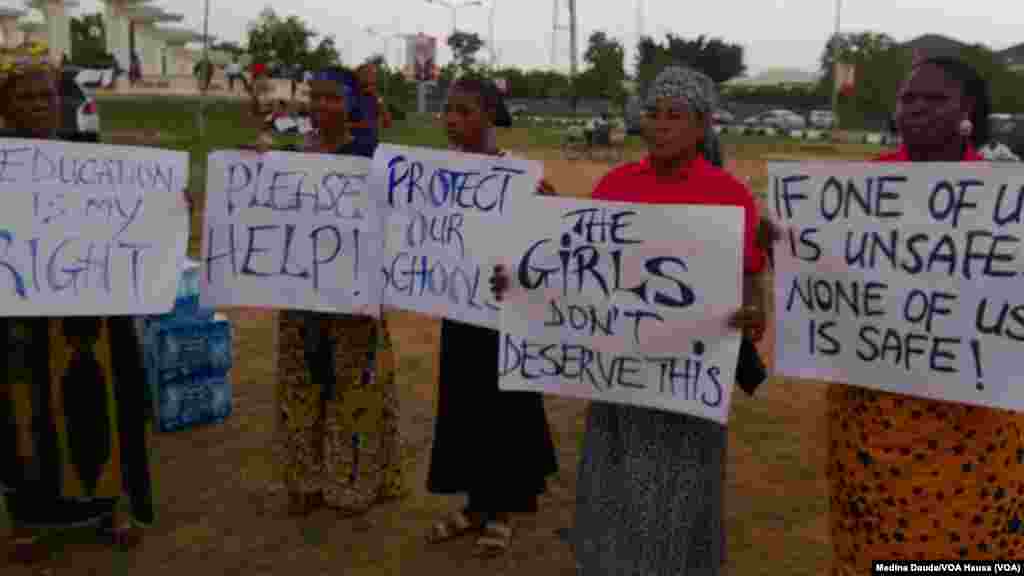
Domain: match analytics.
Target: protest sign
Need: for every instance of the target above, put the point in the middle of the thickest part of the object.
(88, 229)
(445, 214)
(902, 277)
(293, 231)
(623, 303)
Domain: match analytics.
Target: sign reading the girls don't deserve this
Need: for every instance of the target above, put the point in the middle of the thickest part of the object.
(88, 229)
(623, 303)
(445, 215)
(292, 231)
(902, 277)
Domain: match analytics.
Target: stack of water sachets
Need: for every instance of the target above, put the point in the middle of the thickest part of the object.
(188, 359)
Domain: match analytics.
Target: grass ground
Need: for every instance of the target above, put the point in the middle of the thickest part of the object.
(222, 511)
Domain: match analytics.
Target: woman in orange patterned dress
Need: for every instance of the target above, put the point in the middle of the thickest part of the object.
(912, 478)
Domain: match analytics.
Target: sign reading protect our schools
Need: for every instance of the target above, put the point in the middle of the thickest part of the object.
(446, 213)
(89, 229)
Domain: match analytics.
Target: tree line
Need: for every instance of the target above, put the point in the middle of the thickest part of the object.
(880, 62)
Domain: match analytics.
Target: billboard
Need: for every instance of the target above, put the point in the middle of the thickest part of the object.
(421, 54)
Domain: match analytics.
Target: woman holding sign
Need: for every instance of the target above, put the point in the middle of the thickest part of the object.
(493, 446)
(650, 488)
(913, 478)
(337, 402)
(74, 417)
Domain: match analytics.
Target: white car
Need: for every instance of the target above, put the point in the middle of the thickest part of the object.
(78, 104)
(822, 119)
(781, 119)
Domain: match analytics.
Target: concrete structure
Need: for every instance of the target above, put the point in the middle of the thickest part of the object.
(10, 34)
(177, 60)
(131, 28)
(145, 39)
(30, 31)
(57, 25)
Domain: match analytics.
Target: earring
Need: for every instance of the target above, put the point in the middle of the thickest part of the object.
(966, 127)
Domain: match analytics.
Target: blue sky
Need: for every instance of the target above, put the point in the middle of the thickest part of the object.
(775, 33)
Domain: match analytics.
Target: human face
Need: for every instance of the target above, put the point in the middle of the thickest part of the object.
(672, 130)
(465, 120)
(327, 107)
(33, 103)
(929, 108)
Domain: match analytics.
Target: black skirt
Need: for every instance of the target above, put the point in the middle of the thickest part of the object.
(494, 446)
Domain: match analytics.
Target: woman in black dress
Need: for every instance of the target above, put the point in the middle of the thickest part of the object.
(493, 446)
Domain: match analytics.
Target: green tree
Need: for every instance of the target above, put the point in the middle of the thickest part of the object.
(853, 48)
(465, 46)
(720, 60)
(88, 41)
(605, 73)
(325, 54)
(233, 48)
(282, 41)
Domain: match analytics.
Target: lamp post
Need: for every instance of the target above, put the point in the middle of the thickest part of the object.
(454, 7)
(835, 67)
(490, 25)
(205, 69)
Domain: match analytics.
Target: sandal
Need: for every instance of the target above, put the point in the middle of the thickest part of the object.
(495, 540)
(28, 549)
(127, 533)
(458, 524)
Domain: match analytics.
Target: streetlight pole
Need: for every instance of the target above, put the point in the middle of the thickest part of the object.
(491, 41)
(835, 66)
(205, 71)
(454, 7)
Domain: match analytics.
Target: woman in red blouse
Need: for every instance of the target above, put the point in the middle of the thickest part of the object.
(912, 478)
(650, 487)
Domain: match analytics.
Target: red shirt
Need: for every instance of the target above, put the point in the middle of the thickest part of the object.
(902, 155)
(697, 183)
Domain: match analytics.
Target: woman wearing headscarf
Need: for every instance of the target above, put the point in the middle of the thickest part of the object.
(649, 495)
(74, 414)
(493, 446)
(338, 442)
(913, 478)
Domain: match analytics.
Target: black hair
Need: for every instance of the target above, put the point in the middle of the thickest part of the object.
(973, 86)
(491, 100)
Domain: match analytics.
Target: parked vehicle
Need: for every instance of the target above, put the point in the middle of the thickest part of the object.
(80, 110)
(723, 117)
(780, 119)
(823, 119)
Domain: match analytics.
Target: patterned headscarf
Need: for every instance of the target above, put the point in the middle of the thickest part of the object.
(687, 86)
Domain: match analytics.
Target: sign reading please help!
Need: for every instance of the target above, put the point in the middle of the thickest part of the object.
(445, 215)
(89, 229)
(902, 277)
(624, 303)
(293, 231)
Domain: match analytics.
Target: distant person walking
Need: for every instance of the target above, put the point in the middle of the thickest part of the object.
(234, 72)
(135, 69)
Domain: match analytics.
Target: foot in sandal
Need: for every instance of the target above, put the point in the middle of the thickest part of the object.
(456, 525)
(495, 540)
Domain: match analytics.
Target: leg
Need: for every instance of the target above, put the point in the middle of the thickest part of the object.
(299, 418)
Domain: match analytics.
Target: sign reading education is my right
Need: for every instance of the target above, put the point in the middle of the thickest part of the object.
(907, 278)
(90, 229)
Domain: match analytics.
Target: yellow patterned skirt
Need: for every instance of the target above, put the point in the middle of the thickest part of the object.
(917, 479)
(337, 432)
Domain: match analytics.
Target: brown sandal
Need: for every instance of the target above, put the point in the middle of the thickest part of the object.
(126, 533)
(28, 549)
(495, 540)
(455, 526)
